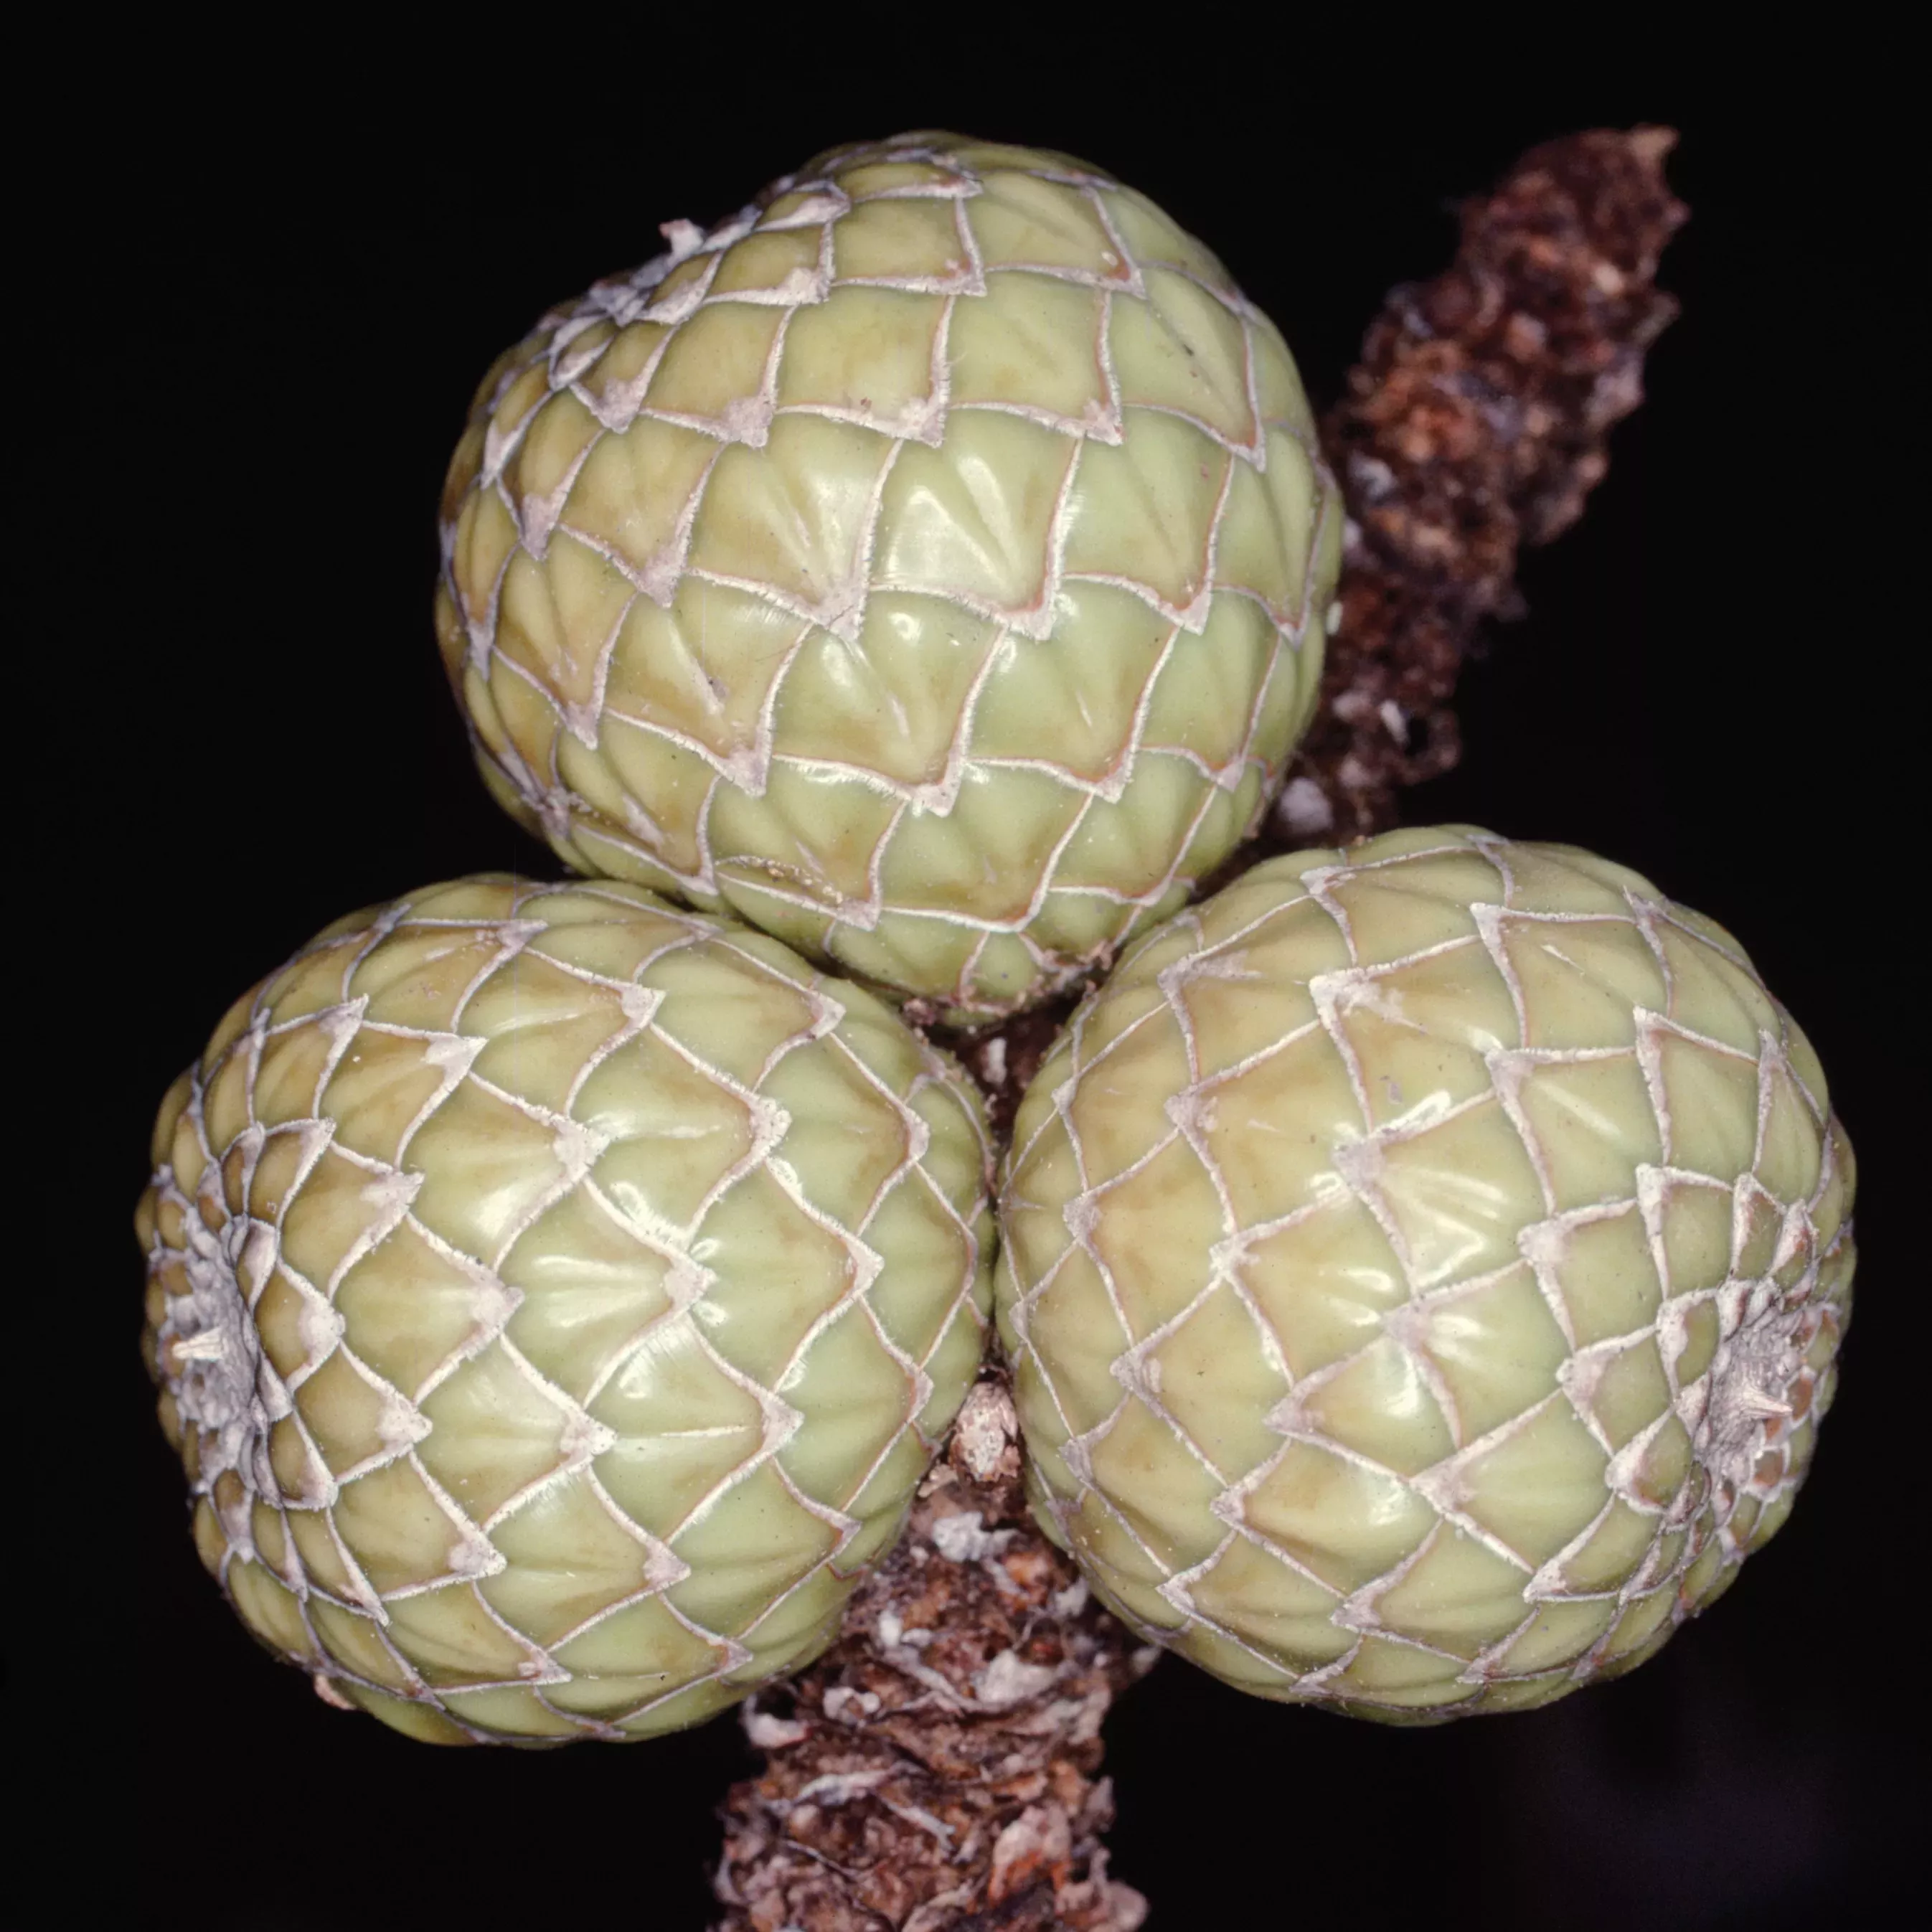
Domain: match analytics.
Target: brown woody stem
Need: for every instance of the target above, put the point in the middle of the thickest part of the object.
(1473, 423)
(938, 1766)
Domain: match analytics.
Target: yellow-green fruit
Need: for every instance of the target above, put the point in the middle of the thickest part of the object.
(930, 563)
(1423, 1265)
(556, 1297)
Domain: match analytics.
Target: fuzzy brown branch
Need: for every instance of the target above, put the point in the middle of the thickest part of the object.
(938, 1767)
(1474, 423)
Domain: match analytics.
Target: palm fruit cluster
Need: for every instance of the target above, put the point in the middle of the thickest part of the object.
(929, 564)
(1423, 1265)
(555, 1297)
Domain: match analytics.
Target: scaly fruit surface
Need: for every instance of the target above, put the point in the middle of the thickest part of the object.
(1424, 1264)
(555, 1297)
(930, 563)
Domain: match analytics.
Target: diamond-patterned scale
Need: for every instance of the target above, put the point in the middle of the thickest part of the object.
(1423, 1266)
(952, 480)
(555, 1308)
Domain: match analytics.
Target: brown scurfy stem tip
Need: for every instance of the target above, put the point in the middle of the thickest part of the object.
(937, 1769)
(1473, 423)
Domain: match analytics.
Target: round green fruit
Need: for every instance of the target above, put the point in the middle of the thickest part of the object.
(555, 1297)
(930, 564)
(1422, 1265)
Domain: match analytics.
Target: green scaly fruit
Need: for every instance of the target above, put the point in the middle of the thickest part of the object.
(1423, 1265)
(555, 1297)
(929, 564)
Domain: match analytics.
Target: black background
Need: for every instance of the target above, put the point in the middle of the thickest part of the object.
(1714, 684)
